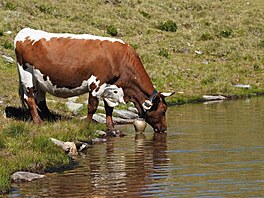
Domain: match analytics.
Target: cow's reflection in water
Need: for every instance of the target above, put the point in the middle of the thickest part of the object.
(131, 172)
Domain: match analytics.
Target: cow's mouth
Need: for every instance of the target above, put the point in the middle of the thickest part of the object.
(159, 131)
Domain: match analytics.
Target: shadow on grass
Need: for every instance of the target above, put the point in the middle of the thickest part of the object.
(24, 115)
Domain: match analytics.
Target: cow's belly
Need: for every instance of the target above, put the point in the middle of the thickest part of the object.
(63, 92)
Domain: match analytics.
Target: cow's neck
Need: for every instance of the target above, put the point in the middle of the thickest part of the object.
(140, 89)
(139, 97)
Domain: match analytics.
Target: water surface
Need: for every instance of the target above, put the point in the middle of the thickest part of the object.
(210, 150)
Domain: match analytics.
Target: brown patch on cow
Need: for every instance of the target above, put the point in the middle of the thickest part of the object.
(93, 86)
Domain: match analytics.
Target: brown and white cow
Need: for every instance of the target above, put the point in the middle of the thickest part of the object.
(67, 65)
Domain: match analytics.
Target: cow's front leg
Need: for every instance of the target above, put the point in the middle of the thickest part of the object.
(32, 106)
(92, 106)
(111, 130)
(109, 120)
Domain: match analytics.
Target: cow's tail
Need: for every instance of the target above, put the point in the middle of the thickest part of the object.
(21, 94)
(21, 89)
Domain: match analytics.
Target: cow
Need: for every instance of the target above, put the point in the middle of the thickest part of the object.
(67, 65)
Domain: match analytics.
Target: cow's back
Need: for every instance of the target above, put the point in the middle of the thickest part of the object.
(66, 61)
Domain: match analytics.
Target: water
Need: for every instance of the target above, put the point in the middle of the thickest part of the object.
(211, 150)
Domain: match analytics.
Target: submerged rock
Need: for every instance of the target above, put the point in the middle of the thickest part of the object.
(25, 176)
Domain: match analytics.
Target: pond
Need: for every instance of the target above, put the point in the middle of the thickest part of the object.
(210, 150)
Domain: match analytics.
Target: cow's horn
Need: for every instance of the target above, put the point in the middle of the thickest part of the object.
(147, 104)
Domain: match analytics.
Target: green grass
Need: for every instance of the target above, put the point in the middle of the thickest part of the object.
(192, 47)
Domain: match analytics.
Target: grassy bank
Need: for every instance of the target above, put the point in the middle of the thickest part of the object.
(190, 47)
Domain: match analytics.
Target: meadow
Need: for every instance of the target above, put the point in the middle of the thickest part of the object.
(192, 47)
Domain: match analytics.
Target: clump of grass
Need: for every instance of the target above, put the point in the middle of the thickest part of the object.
(225, 33)
(261, 44)
(206, 36)
(16, 130)
(10, 6)
(168, 26)
(164, 52)
(145, 14)
(7, 45)
(111, 30)
(45, 8)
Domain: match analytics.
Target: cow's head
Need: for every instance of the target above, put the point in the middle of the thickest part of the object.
(155, 109)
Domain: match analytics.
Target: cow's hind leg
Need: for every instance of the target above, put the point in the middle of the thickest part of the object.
(92, 106)
(40, 98)
(30, 101)
(26, 92)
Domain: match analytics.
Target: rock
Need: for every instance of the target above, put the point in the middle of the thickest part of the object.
(81, 146)
(8, 58)
(25, 176)
(219, 97)
(75, 108)
(198, 52)
(68, 147)
(9, 32)
(100, 108)
(125, 114)
(101, 133)
(117, 120)
(242, 86)
(73, 99)
(133, 109)
(99, 118)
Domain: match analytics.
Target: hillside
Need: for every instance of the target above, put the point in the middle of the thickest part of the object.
(190, 47)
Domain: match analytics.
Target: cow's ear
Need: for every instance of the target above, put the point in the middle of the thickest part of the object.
(147, 105)
(167, 94)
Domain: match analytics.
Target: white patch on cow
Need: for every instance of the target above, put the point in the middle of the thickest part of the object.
(63, 92)
(25, 78)
(30, 77)
(36, 35)
(113, 95)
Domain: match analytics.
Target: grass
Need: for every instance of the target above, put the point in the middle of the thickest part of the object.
(191, 47)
